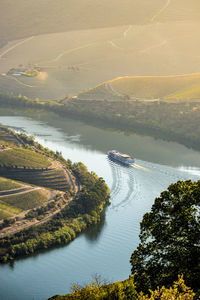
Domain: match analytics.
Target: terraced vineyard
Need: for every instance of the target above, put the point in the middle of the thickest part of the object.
(32, 184)
(23, 158)
(6, 184)
(174, 87)
(25, 201)
(15, 198)
(150, 87)
(51, 178)
(7, 138)
(4, 214)
(9, 208)
(100, 92)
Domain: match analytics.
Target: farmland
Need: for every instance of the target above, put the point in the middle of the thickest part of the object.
(27, 165)
(4, 215)
(7, 184)
(58, 218)
(42, 188)
(174, 87)
(25, 201)
(9, 208)
(54, 179)
(7, 138)
(164, 87)
(23, 158)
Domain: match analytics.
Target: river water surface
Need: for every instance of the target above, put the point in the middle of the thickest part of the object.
(106, 248)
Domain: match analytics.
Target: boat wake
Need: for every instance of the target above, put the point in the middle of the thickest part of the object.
(140, 167)
(125, 187)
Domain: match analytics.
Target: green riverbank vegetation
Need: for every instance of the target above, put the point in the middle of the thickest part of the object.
(170, 121)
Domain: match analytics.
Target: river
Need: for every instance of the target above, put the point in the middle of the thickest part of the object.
(106, 248)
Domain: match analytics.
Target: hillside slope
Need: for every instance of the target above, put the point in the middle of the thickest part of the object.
(146, 88)
(35, 184)
(33, 218)
(17, 21)
(36, 17)
(89, 42)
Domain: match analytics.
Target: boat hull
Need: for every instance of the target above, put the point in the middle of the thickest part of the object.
(120, 159)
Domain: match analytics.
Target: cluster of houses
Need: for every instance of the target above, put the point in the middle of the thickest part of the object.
(29, 71)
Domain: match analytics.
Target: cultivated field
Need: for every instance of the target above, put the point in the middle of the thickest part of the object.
(151, 87)
(7, 138)
(23, 158)
(7, 184)
(9, 208)
(26, 200)
(16, 198)
(145, 88)
(52, 178)
(4, 214)
(23, 205)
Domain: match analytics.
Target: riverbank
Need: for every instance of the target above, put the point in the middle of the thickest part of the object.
(170, 121)
(84, 207)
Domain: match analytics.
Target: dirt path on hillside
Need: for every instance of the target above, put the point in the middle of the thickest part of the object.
(26, 223)
(161, 10)
(69, 51)
(16, 192)
(68, 175)
(20, 82)
(23, 223)
(10, 134)
(15, 46)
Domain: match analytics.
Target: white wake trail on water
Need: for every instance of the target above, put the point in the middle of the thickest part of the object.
(136, 166)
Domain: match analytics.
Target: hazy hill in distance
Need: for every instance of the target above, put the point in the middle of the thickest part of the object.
(35, 17)
(32, 17)
(97, 41)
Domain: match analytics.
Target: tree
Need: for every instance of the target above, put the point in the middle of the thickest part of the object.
(126, 290)
(178, 291)
(170, 239)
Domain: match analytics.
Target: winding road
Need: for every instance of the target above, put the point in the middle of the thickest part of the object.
(15, 46)
(160, 10)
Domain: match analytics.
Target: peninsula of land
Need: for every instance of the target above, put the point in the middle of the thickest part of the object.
(44, 200)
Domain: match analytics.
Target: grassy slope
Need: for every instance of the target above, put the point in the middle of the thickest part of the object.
(50, 178)
(7, 184)
(192, 92)
(22, 157)
(53, 179)
(157, 86)
(25, 201)
(146, 87)
(7, 138)
(36, 17)
(9, 208)
(4, 214)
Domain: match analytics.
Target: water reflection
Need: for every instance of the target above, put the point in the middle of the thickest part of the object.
(94, 232)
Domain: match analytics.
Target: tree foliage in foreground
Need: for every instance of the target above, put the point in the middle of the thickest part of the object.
(125, 290)
(170, 239)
